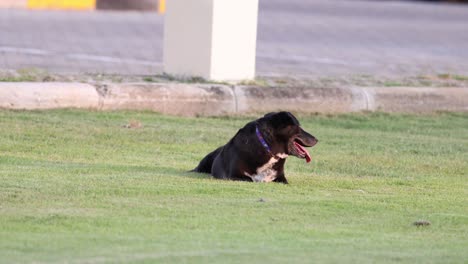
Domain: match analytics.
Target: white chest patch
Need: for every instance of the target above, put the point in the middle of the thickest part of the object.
(266, 173)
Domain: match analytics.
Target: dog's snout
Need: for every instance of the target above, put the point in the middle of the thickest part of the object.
(308, 139)
(314, 141)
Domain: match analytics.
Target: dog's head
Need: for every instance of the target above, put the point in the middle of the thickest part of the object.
(288, 135)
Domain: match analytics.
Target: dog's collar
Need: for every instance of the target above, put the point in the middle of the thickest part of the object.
(262, 140)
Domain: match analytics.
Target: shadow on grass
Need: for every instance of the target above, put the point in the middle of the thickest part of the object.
(18, 164)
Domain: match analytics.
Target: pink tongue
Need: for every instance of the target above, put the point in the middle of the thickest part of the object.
(301, 148)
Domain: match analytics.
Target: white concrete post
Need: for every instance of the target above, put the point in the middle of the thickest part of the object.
(213, 39)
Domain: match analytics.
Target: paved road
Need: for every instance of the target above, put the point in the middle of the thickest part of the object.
(295, 37)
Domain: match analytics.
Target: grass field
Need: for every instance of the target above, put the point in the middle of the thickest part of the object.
(79, 187)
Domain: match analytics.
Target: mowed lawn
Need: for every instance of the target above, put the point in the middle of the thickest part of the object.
(80, 187)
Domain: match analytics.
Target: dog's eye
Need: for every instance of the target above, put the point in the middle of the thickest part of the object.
(290, 130)
(295, 130)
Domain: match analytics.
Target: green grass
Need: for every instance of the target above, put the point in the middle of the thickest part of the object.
(79, 187)
(453, 76)
(26, 75)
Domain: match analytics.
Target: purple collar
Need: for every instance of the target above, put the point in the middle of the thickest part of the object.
(262, 140)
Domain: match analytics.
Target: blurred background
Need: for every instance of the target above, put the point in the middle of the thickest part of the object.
(302, 38)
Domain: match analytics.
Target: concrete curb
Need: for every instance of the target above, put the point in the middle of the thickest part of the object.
(36, 95)
(417, 99)
(174, 99)
(212, 99)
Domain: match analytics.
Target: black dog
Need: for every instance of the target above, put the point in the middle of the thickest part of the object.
(258, 151)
